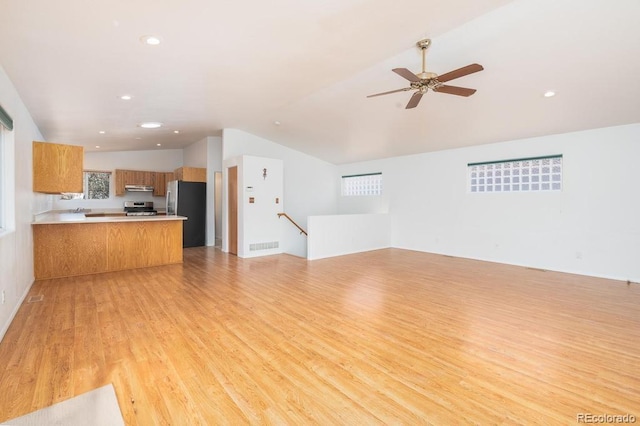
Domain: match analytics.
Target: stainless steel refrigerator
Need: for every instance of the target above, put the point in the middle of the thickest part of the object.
(189, 199)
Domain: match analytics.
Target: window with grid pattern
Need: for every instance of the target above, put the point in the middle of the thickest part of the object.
(365, 184)
(521, 175)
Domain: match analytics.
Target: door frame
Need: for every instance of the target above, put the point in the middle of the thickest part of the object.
(232, 210)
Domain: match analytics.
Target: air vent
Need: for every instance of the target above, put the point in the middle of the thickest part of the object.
(264, 246)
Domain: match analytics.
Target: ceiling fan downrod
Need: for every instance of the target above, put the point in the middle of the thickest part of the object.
(424, 45)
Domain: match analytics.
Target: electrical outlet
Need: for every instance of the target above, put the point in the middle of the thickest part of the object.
(3, 299)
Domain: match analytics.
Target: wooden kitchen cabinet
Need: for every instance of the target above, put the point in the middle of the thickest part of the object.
(69, 249)
(133, 177)
(119, 182)
(160, 183)
(191, 174)
(57, 168)
(138, 177)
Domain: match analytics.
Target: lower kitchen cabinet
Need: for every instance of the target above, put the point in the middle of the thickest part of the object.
(63, 250)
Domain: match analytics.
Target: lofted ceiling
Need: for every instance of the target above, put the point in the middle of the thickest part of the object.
(309, 66)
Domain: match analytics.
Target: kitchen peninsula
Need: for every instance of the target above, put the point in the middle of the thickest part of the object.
(79, 243)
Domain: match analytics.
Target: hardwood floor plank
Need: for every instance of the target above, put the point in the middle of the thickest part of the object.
(385, 337)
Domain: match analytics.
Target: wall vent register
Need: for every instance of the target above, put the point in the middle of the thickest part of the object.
(521, 175)
(264, 246)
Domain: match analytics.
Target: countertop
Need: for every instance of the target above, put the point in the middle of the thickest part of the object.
(95, 216)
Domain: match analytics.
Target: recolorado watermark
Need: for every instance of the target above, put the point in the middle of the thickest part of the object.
(605, 418)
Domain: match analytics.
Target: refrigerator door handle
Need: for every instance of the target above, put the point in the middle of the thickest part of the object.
(168, 195)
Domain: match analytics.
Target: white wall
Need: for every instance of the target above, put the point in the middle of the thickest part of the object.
(16, 246)
(337, 235)
(307, 183)
(591, 227)
(258, 220)
(161, 160)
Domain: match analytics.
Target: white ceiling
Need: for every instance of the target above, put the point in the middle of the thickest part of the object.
(309, 64)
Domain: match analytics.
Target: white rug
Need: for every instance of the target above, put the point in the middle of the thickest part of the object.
(97, 407)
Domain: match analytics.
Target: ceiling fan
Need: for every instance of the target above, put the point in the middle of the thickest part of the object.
(429, 80)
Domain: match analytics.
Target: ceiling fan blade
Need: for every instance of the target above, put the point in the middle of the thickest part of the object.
(415, 99)
(392, 91)
(403, 72)
(460, 72)
(455, 90)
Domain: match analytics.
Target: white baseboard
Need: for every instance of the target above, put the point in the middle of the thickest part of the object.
(6, 326)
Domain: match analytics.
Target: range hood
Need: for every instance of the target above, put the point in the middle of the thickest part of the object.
(138, 188)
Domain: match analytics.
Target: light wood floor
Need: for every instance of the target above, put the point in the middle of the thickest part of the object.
(385, 337)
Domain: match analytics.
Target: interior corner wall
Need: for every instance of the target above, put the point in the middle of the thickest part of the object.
(16, 246)
(195, 155)
(591, 227)
(214, 165)
(309, 183)
(363, 204)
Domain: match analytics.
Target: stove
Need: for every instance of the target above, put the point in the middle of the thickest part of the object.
(139, 208)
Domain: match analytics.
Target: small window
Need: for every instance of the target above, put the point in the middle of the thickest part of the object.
(366, 184)
(96, 185)
(521, 175)
(7, 182)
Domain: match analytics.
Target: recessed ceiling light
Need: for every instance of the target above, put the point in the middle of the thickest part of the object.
(549, 94)
(102, 132)
(176, 131)
(158, 144)
(97, 146)
(150, 125)
(138, 139)
(150, 40)
(126, 97)
(277, 123)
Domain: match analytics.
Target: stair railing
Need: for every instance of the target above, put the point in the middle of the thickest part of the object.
(302, 231)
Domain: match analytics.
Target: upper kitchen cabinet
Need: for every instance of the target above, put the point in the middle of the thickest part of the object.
(57, 168)
(158, 180)
(132, 177)
(191, 174)
(160, 183)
